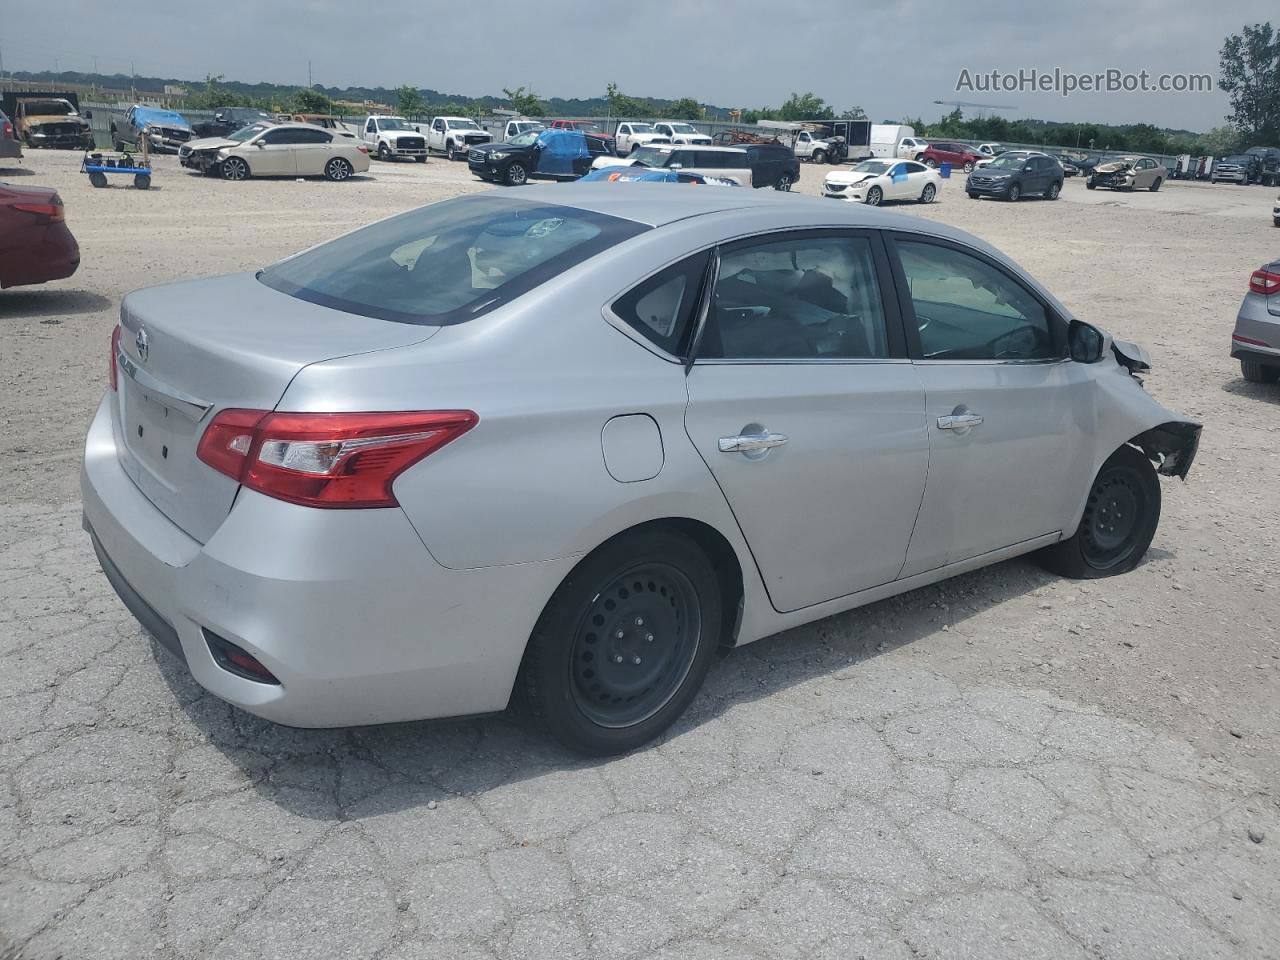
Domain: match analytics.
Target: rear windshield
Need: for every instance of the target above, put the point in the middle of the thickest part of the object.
(447, 262)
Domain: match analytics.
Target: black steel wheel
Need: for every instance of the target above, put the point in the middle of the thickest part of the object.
(384, 152)
(624, 644)
(1119, 521)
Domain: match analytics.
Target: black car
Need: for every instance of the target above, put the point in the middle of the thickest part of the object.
(1015, 174)
(538, 154)
(772, 165)
(1269, 164)
(229, 120)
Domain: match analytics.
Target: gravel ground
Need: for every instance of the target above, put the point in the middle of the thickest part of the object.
(1005, 765)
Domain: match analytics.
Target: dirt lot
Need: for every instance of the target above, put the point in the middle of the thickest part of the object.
(1006, 765)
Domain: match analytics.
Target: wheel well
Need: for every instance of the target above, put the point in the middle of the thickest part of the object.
(722, 556)
(1171, 446)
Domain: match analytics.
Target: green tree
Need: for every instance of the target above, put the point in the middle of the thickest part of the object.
(1218, 142)
(1249, 65)
(526, 103)
(621, 105)
(805, 106)
(312, 100)
(214, 94)
(410, 102)
(853, 113)
(686, 108)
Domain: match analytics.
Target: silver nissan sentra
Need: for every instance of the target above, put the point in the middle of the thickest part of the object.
(564, 443)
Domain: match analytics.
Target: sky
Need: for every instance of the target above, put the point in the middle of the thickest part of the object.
(892, 59)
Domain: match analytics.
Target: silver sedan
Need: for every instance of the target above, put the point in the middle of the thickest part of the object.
(562, 444)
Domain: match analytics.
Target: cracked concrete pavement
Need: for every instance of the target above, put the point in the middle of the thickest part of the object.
(1005, 765)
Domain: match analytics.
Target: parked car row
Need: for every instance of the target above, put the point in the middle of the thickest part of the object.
(748, 165)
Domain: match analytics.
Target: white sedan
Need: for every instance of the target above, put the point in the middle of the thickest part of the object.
(874, 181)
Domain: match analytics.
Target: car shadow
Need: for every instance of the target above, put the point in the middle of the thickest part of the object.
(1266, 392)
(446, 758)
(16, 172)
(19, 303)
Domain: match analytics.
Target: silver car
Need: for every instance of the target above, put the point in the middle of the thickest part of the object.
(563, 444)
(1255, 342)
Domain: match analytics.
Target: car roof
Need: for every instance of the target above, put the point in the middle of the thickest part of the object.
(702, 147)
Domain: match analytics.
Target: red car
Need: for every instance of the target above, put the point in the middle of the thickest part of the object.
(959, 155)
(35, 244)
(583, 126)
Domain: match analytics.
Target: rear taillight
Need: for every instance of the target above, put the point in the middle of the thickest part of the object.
(8, 130)
(53, 210)
(363, 149)
(115, 349)
(331, 460)
(1265, 282)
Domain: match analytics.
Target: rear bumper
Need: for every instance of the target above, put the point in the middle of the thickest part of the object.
(55, 256)
(1257, 332)
(345, 607)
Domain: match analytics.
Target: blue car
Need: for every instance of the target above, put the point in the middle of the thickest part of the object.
(164, 131)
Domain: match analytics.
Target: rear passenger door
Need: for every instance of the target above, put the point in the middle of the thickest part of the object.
(804, 407)
(312, 150)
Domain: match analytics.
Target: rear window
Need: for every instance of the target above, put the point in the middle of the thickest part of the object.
(447, 262)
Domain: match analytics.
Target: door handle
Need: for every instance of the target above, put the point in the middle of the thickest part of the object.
(959, 421)
(751, 441)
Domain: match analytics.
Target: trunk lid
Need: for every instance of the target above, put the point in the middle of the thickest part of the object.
(189, 350)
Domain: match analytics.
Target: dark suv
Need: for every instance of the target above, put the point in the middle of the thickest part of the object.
(229, 120)
(772, 165)
(1015, 174)
(538, 154)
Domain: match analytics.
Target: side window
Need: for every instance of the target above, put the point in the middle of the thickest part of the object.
(369, 127)
(312, 136)
(680, 158)
(966, 309)
(709, 159)
(811, 297)
(914, 167)
(661, 308)
(438, 125)
(282, 136)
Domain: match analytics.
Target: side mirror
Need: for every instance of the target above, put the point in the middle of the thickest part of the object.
(88, 114)
(259, 144)
(1085, 343)
(1026, 168)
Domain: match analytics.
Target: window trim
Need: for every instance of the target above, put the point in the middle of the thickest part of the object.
(894, 330)
(1057, 324)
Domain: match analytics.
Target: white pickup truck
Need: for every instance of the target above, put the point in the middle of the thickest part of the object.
(632, 136)
(454, 136)
(680, 132)
(390, 138)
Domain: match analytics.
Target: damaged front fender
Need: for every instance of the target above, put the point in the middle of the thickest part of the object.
(1171, 446)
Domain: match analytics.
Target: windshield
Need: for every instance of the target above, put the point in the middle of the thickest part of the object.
(525, 139)
(1007, 161)
(48, 108)
(393, 123)
(651, 157)
(247, 133)
(464, 125)
(447, 262)
(681, 128)
(525, 127)
(871, 166)
(642, 128)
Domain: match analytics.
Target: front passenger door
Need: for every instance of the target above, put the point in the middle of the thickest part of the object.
(273, 154)
(805, 410)
(1009, 416)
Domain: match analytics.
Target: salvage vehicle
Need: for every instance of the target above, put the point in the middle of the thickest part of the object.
(1241, 168)
(563, 446)
(1255, 342)
(164, 131)
(1127, 173)
(10, 146)
(35, 244)
(816, 147)
(677, 131)
(635, 174)
(230, 119)
(277, 150)
(960, 156)
(393, 138)
(632, 136)
(1069, 166)
(750, 165)
(874, 181)
(542, 155)
(48, 120)
(454, 136)
(1269, 175)
(1016, 174)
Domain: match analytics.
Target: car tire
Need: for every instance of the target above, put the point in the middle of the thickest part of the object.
(421, 159)
(784, 183)
(931, 163)
(1015, 193)
(1119, 521)
(234, 168)
(516, 175)
(929, 192)
(599, 693)
(1055, 188)
(384, 154)
(874, 197)
(142, 181)
(1155, 185)
(819, 156)
(1257, 372)
(972, 195)
(338, 169)
(98, 179)
(1090, 184)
